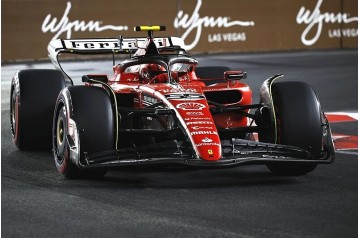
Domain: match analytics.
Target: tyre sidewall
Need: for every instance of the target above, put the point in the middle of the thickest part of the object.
(90, 109)
(298, 116)
(298, 123)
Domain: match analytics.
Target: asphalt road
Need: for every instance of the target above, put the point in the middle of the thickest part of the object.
(246, 201)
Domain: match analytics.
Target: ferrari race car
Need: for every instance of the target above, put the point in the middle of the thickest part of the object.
(160, 108)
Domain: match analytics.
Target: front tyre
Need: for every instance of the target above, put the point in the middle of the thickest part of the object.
(298, 123)
(88, 129)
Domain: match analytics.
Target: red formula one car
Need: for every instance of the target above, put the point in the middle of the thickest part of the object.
(159, 108)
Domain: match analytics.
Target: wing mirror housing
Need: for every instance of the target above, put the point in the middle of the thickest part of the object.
(234, 75)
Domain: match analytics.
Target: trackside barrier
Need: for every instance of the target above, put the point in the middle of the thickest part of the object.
(205, 26)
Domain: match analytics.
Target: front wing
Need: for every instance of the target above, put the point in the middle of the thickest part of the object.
(236, 152)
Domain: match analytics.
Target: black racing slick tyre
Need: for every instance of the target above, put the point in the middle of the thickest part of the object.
(298, 123)
(32, 101)
(94, 124)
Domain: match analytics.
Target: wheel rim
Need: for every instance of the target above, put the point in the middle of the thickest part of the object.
(13, 112)
(60, 131)
(60, 135)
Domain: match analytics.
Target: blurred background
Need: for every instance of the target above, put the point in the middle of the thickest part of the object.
(313, 41)
(206, 26)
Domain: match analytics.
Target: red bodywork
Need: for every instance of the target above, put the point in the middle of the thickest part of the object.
(166, 110)
(194, 115)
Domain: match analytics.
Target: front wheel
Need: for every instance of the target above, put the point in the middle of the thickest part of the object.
(89, 129)
(298, 118)
(61, 147)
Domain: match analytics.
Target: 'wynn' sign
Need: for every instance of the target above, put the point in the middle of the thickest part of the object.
(195, 22)
(317, 19)
(64, 25)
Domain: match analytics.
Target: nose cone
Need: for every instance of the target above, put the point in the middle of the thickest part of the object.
(208, 146)
(200, 127)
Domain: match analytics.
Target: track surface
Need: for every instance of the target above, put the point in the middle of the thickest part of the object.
(240, 202)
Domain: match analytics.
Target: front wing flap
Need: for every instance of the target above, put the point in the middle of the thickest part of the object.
(236, 152)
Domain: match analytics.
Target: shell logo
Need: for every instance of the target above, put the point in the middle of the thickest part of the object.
(190, 106)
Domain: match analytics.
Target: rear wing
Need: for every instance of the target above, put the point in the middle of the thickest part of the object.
(105, 46)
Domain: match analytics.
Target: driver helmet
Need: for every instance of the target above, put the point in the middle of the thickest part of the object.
(149, 71)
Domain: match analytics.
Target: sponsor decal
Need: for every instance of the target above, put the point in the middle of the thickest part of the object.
(194, 113)
(135, 79)
(201, 118)
(191, 106)
(187, 94)
(201, 127)
(273, 157)
(199, 122)
(92, 44)
(207, 144)
(64, 25)
(167, 90)
(316, 19)
(151, 100)
(196, 23)
(88, 44)
(203, 133)
(196, 118)
(235, 151)
(207, 140)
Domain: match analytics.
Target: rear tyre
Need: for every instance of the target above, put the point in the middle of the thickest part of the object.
(298, 122)
(94, 119)
(32, 102)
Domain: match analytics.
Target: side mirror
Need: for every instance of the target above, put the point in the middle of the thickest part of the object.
(234, 75)
(92, 78)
